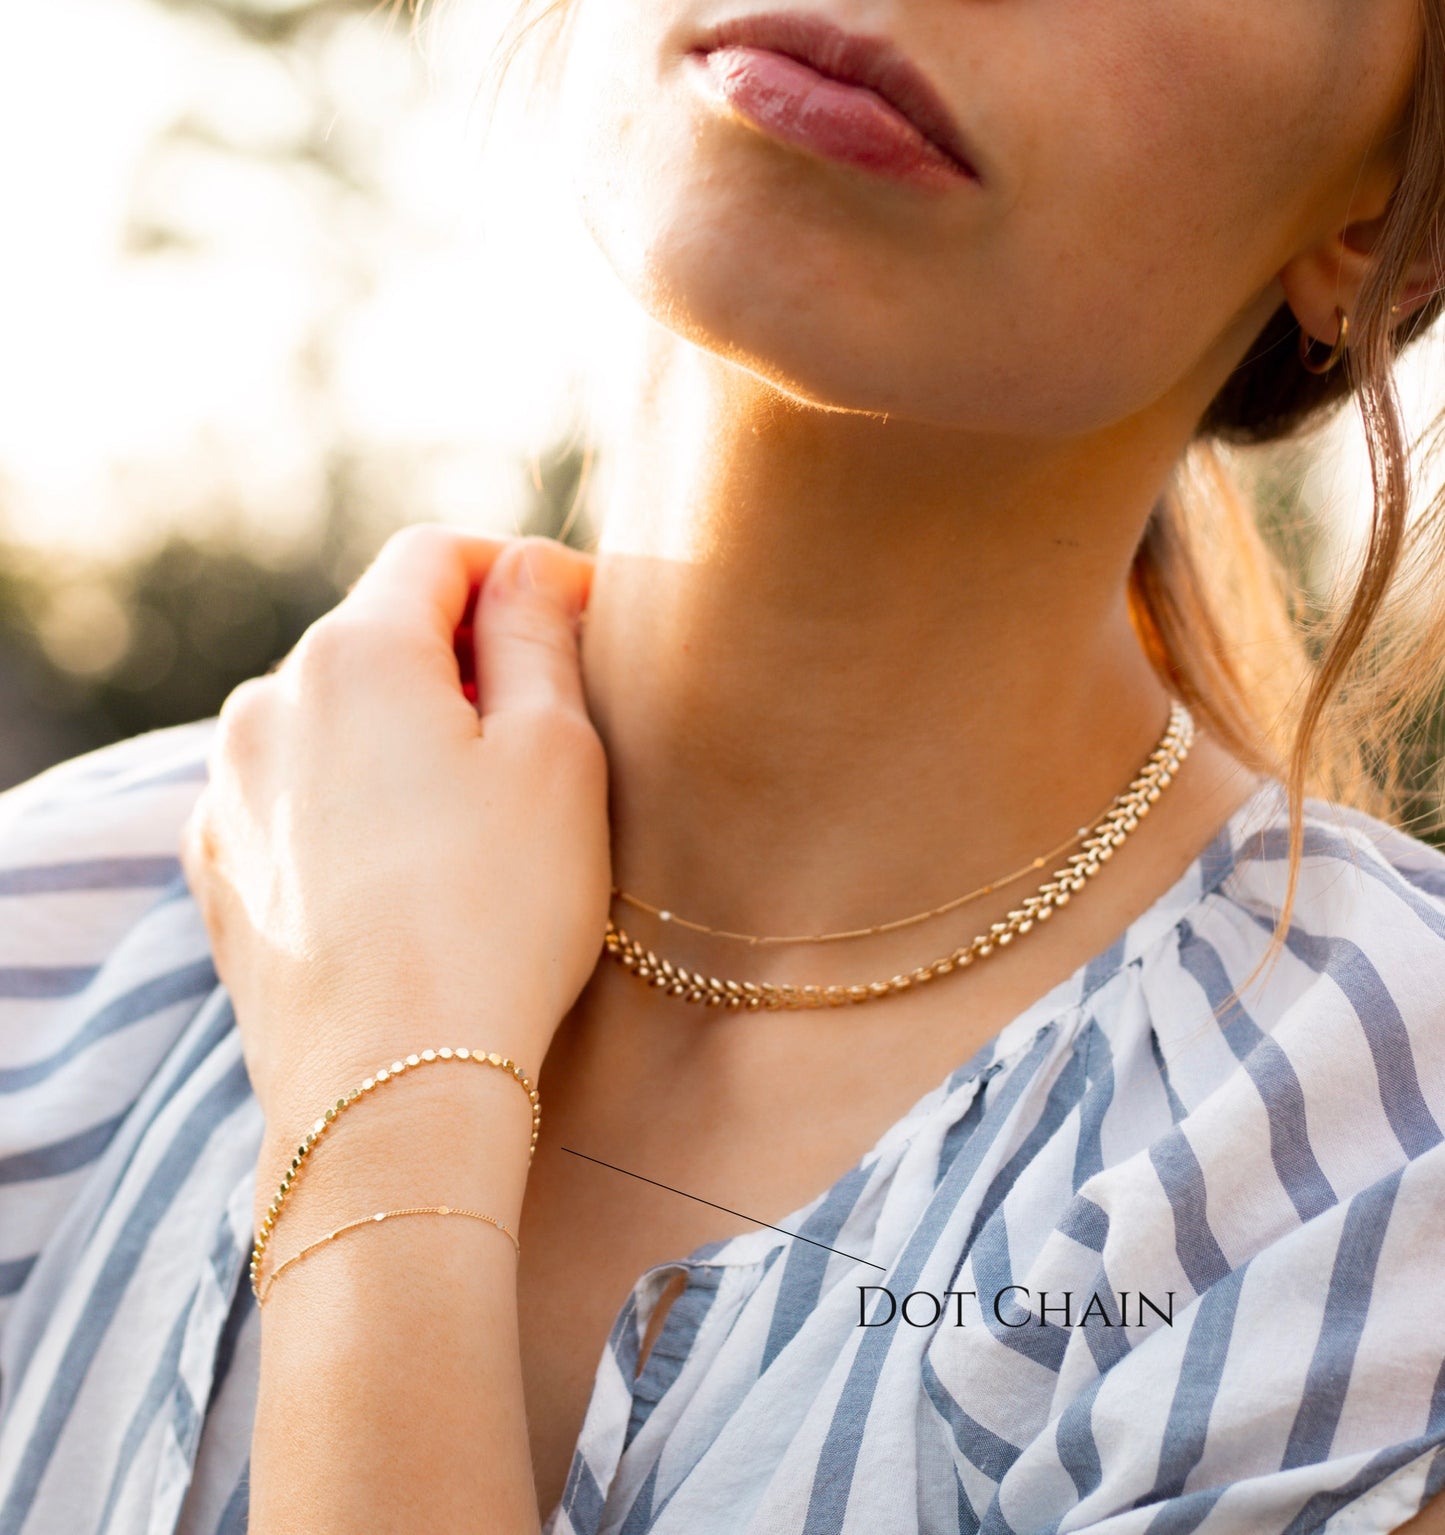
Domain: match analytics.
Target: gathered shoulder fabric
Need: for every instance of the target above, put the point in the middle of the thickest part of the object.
(1158, 1258)
(128, 1142)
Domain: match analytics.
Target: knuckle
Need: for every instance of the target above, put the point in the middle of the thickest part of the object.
(343, 648)
(341, 651)
(239, 719)
(320, 641)
(421, 538)
(332, 647)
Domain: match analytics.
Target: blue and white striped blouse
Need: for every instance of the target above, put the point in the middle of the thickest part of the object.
(1257, 1201)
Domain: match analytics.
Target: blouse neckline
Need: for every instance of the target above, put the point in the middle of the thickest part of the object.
(1204, 874)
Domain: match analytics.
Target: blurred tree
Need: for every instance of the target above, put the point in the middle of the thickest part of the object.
(89, 657)
(279, 22)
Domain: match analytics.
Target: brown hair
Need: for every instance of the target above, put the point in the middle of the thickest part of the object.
(1325, 698)
(1344, 690)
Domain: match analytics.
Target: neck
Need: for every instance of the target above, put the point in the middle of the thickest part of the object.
(847, 667)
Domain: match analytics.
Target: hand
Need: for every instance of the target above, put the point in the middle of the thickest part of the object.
(376, 876)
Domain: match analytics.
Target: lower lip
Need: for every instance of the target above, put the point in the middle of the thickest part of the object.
(848, 123)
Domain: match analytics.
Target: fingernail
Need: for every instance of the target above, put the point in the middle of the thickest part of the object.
(518, 573)
(526, 574)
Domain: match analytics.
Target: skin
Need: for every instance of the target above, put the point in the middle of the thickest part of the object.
(855, 642)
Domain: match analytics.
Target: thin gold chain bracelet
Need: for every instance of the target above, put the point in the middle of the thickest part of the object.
(369, 1085)
(371, 1220)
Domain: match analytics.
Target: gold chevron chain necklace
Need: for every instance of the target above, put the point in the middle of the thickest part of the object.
(1099, 841)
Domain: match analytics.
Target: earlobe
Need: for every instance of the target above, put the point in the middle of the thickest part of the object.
(1326, 281)
(1329, 278)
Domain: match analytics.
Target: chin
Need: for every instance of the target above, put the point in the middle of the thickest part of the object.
(822, 335)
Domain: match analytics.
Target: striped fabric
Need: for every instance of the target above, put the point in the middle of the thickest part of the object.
(1271, 1180)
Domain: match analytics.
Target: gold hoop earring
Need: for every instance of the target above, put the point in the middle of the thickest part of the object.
(1306, 346)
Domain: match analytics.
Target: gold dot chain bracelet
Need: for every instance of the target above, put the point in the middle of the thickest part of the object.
(318, 1130)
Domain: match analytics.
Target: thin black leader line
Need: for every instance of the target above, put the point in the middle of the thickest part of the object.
(723, 1208)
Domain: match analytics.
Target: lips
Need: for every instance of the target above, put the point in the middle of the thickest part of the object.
(851, 58)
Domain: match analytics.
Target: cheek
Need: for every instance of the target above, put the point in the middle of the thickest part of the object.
(1207, 137)
(1210, 142)
(1169, 169)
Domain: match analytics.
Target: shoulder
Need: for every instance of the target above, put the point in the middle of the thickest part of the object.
(89, 853)
(1301, 1080)
(123, 798)
(1362, 881)
(1357, 989)
(1264, 1161)
(104, 960)
(127, 1129)
(87, 848)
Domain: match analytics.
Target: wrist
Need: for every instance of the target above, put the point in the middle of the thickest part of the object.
(340, 1052)
(449, 1131)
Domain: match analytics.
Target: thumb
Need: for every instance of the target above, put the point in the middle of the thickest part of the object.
(525, 628)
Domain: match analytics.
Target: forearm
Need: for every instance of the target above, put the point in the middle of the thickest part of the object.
(390, 1395)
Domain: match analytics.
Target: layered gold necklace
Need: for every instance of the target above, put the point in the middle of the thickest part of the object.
(1098, 842)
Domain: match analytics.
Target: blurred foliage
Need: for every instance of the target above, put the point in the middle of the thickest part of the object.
(275, 23)
(91, 656)
(1299, 536)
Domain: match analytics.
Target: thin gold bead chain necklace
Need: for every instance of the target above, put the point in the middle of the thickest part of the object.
(1107, 833)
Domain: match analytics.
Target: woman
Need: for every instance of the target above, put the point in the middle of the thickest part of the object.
(1130, 1162)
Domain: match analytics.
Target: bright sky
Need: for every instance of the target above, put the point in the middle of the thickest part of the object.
(209, 378)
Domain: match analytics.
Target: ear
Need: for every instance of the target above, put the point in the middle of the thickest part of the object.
(1331, 274)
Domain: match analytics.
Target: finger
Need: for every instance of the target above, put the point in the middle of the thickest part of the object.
(526, 628)
(422, 579)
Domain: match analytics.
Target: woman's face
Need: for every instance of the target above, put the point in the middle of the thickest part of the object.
(1146, 170)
